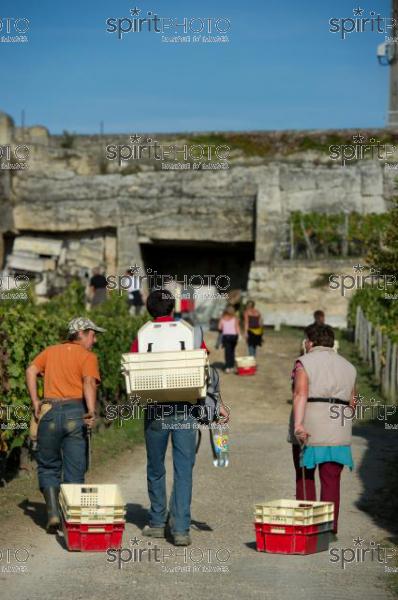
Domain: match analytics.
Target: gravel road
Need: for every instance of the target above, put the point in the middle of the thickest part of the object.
(222, 562)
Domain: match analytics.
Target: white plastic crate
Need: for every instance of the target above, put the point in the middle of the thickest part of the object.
(92, 515)
(294, 512)
(91, 496)
(179, 376)
(245, 361)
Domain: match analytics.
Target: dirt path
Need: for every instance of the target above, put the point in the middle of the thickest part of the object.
(222, 563)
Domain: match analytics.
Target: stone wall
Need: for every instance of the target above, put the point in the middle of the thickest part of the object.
(69, 191)
(289, 292)
(242, 204)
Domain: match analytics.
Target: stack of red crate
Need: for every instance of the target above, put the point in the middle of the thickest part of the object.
(246, 365)
(293, 526)
(93, 516)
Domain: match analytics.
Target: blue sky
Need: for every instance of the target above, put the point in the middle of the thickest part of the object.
(282, 68)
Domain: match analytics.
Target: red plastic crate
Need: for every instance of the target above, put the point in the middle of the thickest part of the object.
(246, 370)
(92, 538)
(292, 539)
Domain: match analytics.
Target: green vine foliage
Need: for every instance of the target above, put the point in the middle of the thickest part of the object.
(327, 232)
(378, 309)
(385, 256)
(381, 305)
(26, 328)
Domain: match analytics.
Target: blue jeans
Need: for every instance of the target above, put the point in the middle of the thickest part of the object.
(181, 427)
(252, 350)
(62, 445)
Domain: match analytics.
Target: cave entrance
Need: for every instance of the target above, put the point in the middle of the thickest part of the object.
(181, 259)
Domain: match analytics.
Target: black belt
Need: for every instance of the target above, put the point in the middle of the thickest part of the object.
(329, 400)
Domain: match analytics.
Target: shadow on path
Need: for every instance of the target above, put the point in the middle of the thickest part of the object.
(136, 514)
(36, 511)
(379, 475)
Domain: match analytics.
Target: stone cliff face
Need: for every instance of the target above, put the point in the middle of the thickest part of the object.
(105, 213)
(159, 205)
(164, 205)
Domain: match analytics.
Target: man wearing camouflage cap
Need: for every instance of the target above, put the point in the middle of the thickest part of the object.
(71, 376)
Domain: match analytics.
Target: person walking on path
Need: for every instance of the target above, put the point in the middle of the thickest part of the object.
(134, 294)
(178, 423)
(230, 330)
(323, 389)
(253, 324)
(71, 375)
(98, 285)
(319, 319)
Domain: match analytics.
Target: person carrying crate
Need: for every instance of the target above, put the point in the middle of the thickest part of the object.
(163, 420)
(71, 375)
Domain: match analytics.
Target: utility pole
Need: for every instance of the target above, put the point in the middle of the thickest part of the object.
(393, 107)
(23, 123)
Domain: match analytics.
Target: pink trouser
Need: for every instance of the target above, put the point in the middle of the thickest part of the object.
(329, 474)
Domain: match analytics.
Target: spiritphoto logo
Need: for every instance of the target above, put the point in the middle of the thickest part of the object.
(391, 296)
(361, 553)
(361, 148)
(364, 409)
(361, 22)
(15, 29)
(155, 280)
(14, 158)
(132, 410)
(14, 287)
(14, 417)
(171, 156)
(373, 279)
(13, 560)
(190, 560)
(186, 29)
(391, 39)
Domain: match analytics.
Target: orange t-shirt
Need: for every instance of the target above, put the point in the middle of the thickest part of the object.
(64, 366)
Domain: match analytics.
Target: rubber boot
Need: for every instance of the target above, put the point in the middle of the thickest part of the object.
(51, 497)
